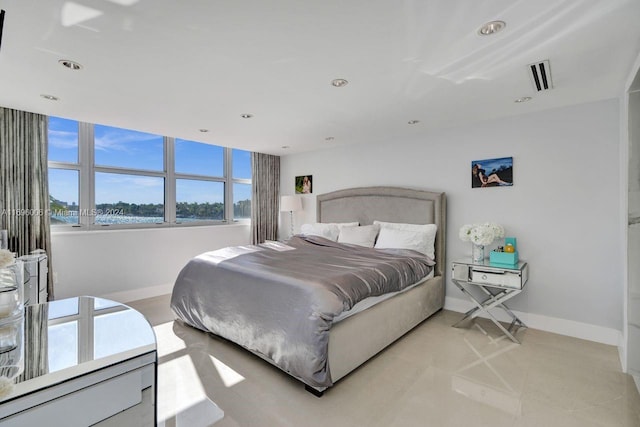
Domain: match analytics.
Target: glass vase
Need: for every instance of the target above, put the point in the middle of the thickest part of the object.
(11, 298)
(477, 253)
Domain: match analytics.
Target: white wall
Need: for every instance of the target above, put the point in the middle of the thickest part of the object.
(564, 207)
(126, 265)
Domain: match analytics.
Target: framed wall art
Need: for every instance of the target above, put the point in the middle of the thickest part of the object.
(492, 172)
(304, 184)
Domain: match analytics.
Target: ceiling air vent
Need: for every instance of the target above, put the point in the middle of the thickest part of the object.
(540, 74)
(1, 25)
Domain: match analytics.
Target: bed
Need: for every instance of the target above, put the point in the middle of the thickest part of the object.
(347, 343)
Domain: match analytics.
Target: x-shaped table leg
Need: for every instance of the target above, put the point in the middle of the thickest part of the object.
(494, 300)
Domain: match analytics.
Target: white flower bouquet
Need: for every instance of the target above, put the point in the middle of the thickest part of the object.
(481, 234)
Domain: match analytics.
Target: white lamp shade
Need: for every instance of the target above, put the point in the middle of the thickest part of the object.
(290, 204)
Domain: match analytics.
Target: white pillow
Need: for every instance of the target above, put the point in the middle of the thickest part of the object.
(419, 237)
(342, 225)
(362, 236)
(327, 230)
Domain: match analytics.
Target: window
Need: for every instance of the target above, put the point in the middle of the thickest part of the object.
(64, 196)
(103, 176)
(64, 171)
(241, 161)
(200, 183)
(128, 149)
(199, 200)
(128, 199)
(63, 140)
(126, 189)
(197, 158)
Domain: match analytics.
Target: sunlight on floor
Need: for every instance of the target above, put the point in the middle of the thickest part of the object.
(182, 399)
(228, 376)
(201, 414)
(170, 342)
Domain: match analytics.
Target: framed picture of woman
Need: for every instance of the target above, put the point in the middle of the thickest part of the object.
(492, 172)
(303, 184)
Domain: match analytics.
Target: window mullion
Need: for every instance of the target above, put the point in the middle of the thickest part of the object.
(199, 177)
(140, 172)
(86, 149)
(169, 180)
(228, 186)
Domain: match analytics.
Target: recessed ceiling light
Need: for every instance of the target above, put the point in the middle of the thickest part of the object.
(50, 97)
(72, 65)
(285, 146)
(339, 82)
(523, 99)
(246, 116)
(204, 130)
(413, 122)
(491, 28)
(329, 138)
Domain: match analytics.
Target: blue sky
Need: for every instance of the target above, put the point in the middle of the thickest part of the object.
(139, 150)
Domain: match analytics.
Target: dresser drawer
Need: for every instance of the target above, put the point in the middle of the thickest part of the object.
(88, 405)
(503, 279)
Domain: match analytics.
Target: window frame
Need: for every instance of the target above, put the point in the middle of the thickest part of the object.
(232, 180)
(87, 170)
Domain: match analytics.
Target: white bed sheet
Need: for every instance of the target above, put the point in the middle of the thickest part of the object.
(371, 301)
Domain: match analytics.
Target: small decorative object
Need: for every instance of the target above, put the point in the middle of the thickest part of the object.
(477, 253)
(480, 235)
(11, 284)
(303, 184)
(492, 172)
(508, 257)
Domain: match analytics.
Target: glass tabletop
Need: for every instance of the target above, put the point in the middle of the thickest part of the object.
(488, 264)
(63, 339)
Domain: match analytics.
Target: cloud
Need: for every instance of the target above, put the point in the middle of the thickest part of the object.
(121, 140)
(63, 139)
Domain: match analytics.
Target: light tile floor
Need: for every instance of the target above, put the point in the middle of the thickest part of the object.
(435, 375)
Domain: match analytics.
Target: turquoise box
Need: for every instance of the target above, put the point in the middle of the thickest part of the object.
(503, 259)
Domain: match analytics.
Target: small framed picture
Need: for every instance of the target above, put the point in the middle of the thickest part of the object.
(303, 184)
(492, 172)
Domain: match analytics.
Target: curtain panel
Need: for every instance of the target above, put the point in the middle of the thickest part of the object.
(265, 197)
(24, 186)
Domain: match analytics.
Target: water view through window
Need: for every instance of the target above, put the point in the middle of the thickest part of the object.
(129, 173)
(143, 203)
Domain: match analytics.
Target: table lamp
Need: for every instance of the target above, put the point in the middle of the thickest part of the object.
(290, 204)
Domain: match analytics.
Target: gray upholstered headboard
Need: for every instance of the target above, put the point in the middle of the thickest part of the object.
(391, 204)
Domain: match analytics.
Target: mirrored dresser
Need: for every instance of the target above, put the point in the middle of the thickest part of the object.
(78, 362)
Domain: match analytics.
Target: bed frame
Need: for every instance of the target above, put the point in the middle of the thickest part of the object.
(351, 341)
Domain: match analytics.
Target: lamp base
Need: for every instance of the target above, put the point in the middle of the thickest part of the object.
(290, 224)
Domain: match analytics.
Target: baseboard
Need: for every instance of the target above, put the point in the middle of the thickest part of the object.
(570, 328)
(622, 352)
(142, 293)
(637, 381)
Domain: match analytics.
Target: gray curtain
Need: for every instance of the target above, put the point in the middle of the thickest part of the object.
(24, 185)
(265, 200)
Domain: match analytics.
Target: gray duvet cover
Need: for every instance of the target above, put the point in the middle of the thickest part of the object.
(279, 300)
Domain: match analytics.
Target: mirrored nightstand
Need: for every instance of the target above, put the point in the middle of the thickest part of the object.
(498, 284)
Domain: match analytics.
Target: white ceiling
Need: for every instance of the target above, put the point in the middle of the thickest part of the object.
(174, 67)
